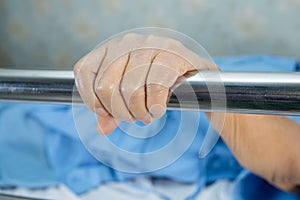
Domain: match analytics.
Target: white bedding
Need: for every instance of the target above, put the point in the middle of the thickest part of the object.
(137, 189)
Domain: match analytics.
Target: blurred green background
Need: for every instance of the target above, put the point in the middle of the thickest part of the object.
(56, 33)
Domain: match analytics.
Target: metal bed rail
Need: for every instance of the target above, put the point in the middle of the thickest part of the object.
(246, 92)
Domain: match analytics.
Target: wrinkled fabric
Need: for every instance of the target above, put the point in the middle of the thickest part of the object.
(135, 189)
(39, 147)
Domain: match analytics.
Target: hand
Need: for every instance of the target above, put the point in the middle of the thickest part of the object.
(130, 78)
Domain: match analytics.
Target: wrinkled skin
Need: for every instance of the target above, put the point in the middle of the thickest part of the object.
(131, 78)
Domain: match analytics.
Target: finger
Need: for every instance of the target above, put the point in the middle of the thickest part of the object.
(134, 81)
(121, 46)
(163, 74)
(85, 72)
(197, 60)
(107, 89)
(106, 124)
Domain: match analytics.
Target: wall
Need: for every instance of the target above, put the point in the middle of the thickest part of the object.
(56, 33)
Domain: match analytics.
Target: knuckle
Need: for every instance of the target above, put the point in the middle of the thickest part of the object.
(131, 89)
(104, 89)
(125, 89)
(151, 37)
(77, 68)
(150, 87)
(156, 89)
(111, 44)
(135, 96)
(175, 43)
(130, 36)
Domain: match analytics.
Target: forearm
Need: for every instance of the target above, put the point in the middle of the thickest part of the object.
(267, 145)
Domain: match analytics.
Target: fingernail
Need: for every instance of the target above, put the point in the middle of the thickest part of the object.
(102, 112)
(157, 110)
(132, 120)
(147, 120)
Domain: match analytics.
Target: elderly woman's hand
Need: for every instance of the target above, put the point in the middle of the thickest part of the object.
(130, 78)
